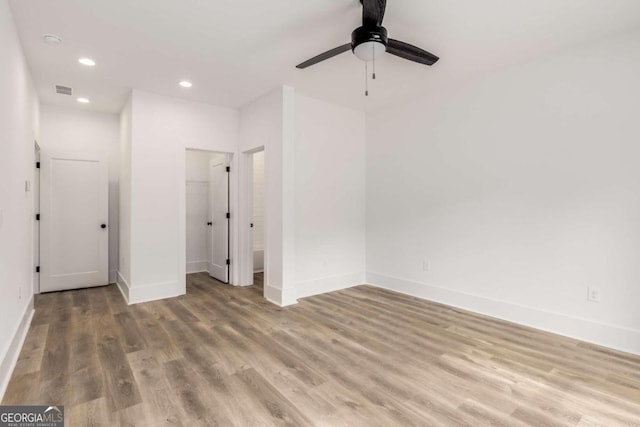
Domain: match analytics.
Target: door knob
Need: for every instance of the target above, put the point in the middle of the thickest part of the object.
(103, 226)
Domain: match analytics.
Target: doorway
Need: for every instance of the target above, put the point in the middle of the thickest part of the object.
(208, 214)
(257, 221)
(253, 219)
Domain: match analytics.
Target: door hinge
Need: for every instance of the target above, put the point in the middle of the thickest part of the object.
(228, 215)
(37, 217)
(37, 165)
(38, 269)
(228, 168)
(228, 261)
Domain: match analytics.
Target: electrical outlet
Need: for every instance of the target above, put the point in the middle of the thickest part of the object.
(425, 265)
(594, 294)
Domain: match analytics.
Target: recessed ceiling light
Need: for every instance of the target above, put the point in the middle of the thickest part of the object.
(52, 39)
(87, 61)
(83, 100)
(185, 83)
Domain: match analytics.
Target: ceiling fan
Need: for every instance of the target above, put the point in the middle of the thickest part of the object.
(370, 40)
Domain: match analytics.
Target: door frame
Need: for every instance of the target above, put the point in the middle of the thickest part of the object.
(36, 220)
(182, 216)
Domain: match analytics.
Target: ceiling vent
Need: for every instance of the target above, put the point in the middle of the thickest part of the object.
(63, 90)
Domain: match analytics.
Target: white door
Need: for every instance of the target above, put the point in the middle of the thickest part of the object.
(73, 218)
(219, 229)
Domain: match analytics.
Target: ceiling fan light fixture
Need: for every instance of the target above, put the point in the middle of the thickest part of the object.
(368, 43)
(368, 51)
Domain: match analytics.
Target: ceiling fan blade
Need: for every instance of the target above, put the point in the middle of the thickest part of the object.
(373, 12)
(412, 53)
(324, 56)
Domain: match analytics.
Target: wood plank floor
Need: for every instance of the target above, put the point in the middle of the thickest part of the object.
(358, 357)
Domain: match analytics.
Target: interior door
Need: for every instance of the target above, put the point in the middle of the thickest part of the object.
(219, 199)
(73, 219)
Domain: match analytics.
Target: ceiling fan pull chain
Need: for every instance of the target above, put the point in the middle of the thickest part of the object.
(366, 78)
(373, 49)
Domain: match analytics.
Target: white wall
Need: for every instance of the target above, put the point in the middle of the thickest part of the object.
(520, 191)
(18, 130)
(66, 130)
(329, 197)
(124, 203)
(269, 122)
(197, 165)
(314, 193)
(162, 128)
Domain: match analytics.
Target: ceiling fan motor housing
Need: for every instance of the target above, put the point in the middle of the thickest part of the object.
(368, 34)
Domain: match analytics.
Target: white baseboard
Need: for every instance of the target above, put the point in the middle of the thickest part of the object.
(280, 297)
(288, 297)
(582, 329)
(154, 292)
(329, 284)
(9, 359)
(273, 295)
(151, 292)
(123, 286)
(196, 266)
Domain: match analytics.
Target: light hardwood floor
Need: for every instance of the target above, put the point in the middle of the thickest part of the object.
(358, 357)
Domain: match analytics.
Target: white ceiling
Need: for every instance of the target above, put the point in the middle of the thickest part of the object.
(234, 51)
